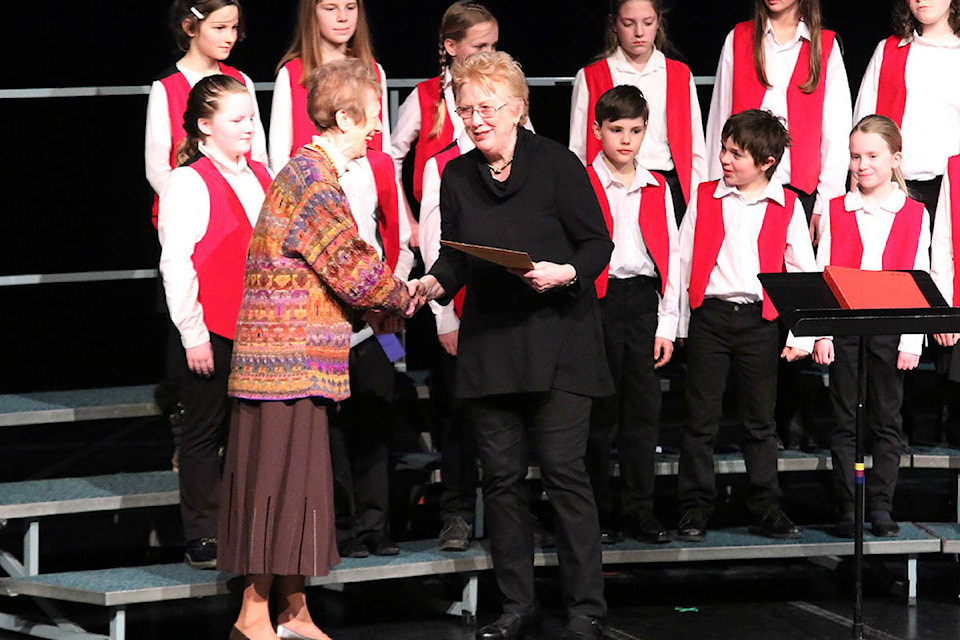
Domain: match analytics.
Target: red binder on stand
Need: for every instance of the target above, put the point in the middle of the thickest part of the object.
(861, 289)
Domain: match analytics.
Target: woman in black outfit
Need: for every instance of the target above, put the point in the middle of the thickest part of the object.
(530, 355)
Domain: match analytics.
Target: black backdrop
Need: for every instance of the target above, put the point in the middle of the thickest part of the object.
(75, 195)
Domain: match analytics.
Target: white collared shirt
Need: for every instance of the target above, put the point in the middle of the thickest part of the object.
(781, 59)
(941, 249)
(183, 219)
(931, 116)
(734, 278)
(652, 82)
(157, 138)
(874, 223)
(281, 119)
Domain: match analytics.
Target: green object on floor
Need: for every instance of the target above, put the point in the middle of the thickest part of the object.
(687, 609)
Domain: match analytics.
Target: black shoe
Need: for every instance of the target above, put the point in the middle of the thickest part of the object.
(509, 626)
(846, 525)
(609, 536)
(774, 523)
(882, 525)
(352, 548)
(645, 527)
(455, 535)
(201, 553)
(692, 526)
(582, 628)
(380, 545)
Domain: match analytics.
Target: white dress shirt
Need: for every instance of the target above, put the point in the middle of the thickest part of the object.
(157, 139)
(781, 59)
(630, 256)
(734, 278)
(941, 249)
(874, 223)
(652, 82)
(931, 116)
(184, 217)
(446, 316)
(281, 119)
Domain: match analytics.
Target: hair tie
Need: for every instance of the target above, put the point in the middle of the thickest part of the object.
(196, 12)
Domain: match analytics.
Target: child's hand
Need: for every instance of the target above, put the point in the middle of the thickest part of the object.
(823, 351)
(815, 229)
(792, 354)
(662, 352)
(907, 361)
(946, 339)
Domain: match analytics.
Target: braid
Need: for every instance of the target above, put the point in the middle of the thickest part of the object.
(441, 115)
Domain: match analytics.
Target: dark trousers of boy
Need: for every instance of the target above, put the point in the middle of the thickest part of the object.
(359, 445)
(722, 334)
(206, 423)
(458, 453)
(882, 420)
(631, 415)
(555, 424)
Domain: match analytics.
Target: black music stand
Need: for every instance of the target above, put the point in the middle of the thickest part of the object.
(808, 307)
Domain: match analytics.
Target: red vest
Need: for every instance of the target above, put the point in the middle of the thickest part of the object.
(652, 218)
(708, 238)
(900, 252)
(388, 209)
(452, 151)
(221, 255)
(178, 90)
(892, 88)
(804, 110)
(303, 129)
(428, 94)
(679, 127)
(953, 171)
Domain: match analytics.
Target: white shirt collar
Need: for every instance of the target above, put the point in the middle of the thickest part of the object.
(894, 201)
(642, 178)
(773, 191)
(339, 162)
(223, 161)
(802, 32)
(916, 37)
(656, 62)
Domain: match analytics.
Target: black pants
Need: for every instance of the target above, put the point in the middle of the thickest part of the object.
(359, 444)
(882, 420)
(632, 413)
(721, 335)
(555, 424)
(206, 423)
(927, 192)
(676, 192)
(807, 200)
(458, 452)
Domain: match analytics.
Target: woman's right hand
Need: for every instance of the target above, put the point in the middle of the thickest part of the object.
(823, 351)
(200, 359)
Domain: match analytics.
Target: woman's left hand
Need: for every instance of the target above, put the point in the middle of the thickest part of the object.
(547, 275)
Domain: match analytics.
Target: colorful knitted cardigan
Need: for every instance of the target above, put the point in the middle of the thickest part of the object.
(307, 269)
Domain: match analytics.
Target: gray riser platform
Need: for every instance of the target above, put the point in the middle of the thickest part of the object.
(948, 532)
(48, 407)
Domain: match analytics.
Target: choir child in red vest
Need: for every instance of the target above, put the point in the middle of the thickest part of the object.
(639, 308)
(906, 81)
(458, 451)
(205, 30)
(784, 62)
(745, 224)
(428, 115)
(944, 272)
(876, 226)
(634, 55)
(207, 213)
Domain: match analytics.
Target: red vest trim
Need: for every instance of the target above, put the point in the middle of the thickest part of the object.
(953, 171)
(709, 234)
(892, 87)
(652, 218)
(804, 110)
(178, 90)
(221, 255)
(452, 151)
(428, 94)
(388, 209)
(679, 127)
(303, 129)
(900, 251)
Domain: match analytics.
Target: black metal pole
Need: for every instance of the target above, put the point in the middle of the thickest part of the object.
(859, 498)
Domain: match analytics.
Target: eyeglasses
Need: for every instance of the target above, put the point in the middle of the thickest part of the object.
(485, 112)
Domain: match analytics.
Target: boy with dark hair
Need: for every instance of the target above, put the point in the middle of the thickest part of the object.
(735, 228)
(639, 304)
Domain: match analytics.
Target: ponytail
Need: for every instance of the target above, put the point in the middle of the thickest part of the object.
(203, 102)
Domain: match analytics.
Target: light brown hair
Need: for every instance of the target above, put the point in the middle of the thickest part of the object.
(493, 71)
(204, 102)
(341, 85)
(890, 132)
(809, 13)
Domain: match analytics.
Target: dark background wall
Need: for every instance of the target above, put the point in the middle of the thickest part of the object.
(75, 195)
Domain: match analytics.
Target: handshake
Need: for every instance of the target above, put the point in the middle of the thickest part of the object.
(422, 291)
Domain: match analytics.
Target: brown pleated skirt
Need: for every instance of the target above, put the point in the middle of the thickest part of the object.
(276, 508)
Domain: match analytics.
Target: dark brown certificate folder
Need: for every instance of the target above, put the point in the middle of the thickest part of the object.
(503, 257)
(860, 289)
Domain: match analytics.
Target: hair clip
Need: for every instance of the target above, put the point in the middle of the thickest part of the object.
(197, 13)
